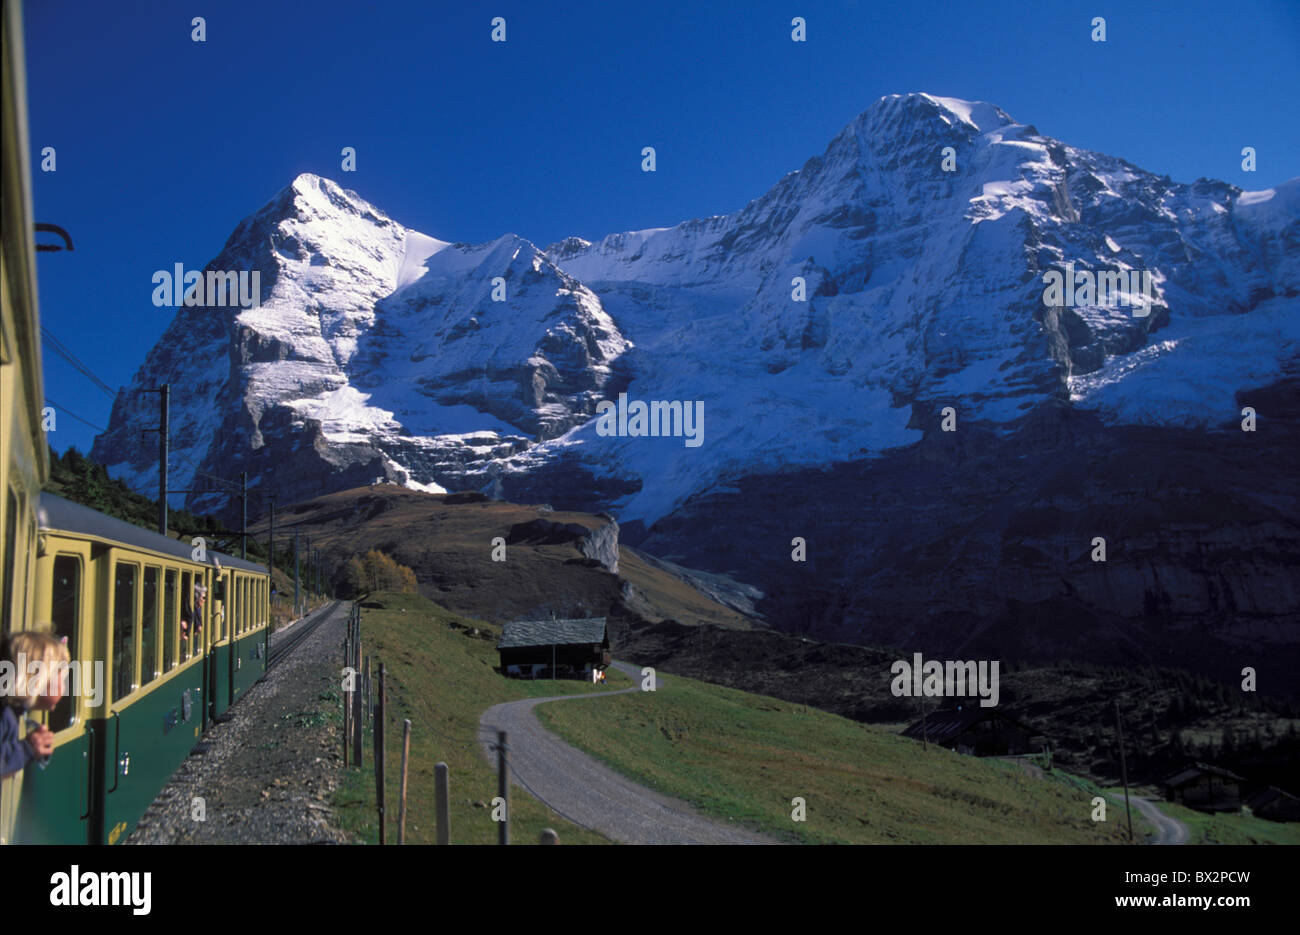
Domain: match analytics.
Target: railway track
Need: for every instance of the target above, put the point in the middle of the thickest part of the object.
(303, 630)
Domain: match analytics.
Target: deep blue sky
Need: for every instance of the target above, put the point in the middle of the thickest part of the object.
(164, 144)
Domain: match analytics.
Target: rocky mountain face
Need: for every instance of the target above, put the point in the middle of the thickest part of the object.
(829, 332)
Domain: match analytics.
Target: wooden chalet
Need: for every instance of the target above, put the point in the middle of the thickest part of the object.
(561, 648)
(1205, 788)
(977, 731)
(1275, 804)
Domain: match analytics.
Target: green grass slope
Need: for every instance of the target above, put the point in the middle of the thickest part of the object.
(440, 676)
(746, 757)
(1232, 827)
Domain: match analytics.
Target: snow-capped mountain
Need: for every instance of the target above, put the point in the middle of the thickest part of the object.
(918, 242)
(384, 348)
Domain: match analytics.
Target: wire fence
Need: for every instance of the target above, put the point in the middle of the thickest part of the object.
(364, 702)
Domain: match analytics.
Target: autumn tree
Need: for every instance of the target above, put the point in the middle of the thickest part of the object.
(376, 571)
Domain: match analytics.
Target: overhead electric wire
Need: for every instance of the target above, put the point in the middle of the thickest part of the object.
(59, 348)
(69, 412)
(222, 480)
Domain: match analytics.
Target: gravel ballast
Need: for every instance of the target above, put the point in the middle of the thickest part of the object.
(266, 774)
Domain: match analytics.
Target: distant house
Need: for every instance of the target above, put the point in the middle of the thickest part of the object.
(532, 648)
(1276, 805)
(977, 731)
(1205, 788)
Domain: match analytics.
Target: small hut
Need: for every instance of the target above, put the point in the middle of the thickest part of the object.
(1275, 804)
(977, 731)
(1205, 788)
(554, 648)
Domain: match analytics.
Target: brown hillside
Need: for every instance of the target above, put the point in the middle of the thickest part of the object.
(447, 541)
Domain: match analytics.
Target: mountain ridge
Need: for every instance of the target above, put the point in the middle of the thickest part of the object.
(828, 328)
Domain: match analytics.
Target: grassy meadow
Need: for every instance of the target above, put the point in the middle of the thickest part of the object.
(440, 676)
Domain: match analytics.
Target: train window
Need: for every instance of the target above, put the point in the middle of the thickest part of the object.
(188, 624)
(149, 627)
(124, 587)
(169, 620)
(65, 611)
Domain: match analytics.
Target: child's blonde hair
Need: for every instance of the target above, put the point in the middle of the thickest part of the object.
(27, 647)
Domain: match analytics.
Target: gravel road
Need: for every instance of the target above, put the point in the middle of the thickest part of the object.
(582, 788)
(1168, 830)
(266, 774)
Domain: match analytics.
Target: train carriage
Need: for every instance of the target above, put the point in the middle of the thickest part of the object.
(151, 663)
(161, 644)
(24, 462)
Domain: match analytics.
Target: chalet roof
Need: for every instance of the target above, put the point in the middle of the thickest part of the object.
(942, 726)
(1196, 771)
(1269, 796)
(561, 632)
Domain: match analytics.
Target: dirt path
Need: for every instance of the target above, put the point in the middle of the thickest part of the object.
(265, 775)
(1168, 830)
(584, 789)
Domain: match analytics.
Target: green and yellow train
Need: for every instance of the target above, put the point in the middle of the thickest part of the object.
(152, 665)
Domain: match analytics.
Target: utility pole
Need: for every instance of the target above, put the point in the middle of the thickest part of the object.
(164, 413)
(1123, 768)
(243, 526)
(296, 592)
(270, 597)
(271, 543)
(164, 393)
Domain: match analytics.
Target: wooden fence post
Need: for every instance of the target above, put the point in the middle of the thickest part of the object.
(406, 756)
(347, 694)
(503, 789)
(442, 799)
(347, 725)
(356, 727)
(379, 755)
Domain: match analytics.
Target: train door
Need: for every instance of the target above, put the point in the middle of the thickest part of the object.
(124, 797)
(240, 625)
(17, 569)
(59, 798)
(234, 623)
(209, 649)
(221, 643)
